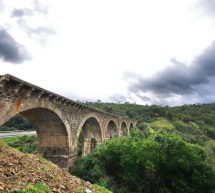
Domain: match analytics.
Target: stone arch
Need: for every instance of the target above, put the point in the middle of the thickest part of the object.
(83, 120)
(124, 128)
(53, 133)
(111, 130)
(91, 132)
(131, 126)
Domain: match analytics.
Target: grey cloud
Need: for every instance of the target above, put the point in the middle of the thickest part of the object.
(10, 50)
(21, 12)
(180, 79)
(2, 6)
(207, 6)
(118, 98)
(121, 98)
(39, 7)
(155, 100)
(42, 31)
(144, 98)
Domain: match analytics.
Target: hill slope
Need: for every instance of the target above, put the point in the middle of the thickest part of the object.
(17, 170)
(196, 123)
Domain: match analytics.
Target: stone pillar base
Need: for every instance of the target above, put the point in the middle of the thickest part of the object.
(63, 162)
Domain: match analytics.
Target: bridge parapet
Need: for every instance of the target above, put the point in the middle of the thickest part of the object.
(18, 85)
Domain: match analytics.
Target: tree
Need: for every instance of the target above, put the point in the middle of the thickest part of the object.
(161, 163)
(210, 149)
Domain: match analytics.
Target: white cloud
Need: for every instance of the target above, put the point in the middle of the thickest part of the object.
(96, 42)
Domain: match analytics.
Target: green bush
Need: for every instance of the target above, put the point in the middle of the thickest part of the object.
(161, 163)
(210, 149)
(5, 128)
(17, 122)
(210, 132)
(26, 143)
(161, 123)
(40, 187)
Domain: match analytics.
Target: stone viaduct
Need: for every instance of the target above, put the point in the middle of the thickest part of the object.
(58, 120)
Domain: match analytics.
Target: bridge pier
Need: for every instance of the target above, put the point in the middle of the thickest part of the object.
(63, 162)
(90, 144)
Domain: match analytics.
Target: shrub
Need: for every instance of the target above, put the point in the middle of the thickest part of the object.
(161, 163)
(40, 187)
(26, 143)
(210, 149)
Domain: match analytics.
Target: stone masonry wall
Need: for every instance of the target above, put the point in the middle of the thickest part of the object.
(58, 120)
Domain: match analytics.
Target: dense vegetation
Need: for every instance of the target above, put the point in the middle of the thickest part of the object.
(18, 122)
(38, 187)
(160, 163)
(25, 144)
(194, 123)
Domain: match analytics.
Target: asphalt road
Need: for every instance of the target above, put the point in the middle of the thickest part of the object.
(16, 133)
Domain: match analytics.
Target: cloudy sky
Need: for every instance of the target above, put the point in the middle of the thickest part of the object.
(144, 51)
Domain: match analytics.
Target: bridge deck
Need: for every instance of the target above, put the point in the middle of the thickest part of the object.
(11, 78)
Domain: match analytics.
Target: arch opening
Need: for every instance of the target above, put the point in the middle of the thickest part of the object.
(111, 130)
(90, 136)
(53, 140)
(124, 128)
(131, 126)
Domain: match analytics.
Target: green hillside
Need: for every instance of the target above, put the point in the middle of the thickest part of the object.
(195, 123)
